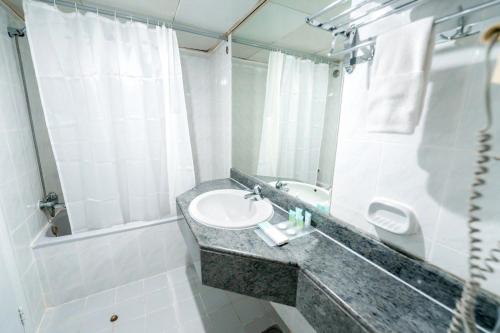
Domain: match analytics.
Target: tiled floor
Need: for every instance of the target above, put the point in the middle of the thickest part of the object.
(171, 302)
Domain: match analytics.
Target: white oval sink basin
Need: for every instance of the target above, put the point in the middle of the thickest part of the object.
(229, 209)
(306, 192)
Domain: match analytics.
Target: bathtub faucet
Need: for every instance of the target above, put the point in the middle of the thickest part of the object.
(282, 186)
(50, 204)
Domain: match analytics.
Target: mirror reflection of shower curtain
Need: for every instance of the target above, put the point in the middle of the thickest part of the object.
(113, 100)
(294, 110)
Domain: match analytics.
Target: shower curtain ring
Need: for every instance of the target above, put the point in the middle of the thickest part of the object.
(115, 15)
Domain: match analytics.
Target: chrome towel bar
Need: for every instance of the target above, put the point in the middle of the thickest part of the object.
(342, 25)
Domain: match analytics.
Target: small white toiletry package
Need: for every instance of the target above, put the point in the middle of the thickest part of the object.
(283, 225)
(273, 233)
(392, 216)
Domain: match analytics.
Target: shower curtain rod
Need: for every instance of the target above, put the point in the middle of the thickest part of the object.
(179, 27)
(137, 18)
(299, 54)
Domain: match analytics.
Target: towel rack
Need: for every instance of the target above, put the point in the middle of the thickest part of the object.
(345, 23)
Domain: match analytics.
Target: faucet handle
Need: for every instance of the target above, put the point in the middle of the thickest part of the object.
(256, 194)
(51, 197)
(257, 190)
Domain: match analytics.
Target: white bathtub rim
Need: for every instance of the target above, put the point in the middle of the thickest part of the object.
(42, 240)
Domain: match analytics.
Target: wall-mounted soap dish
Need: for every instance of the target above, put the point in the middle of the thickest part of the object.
(392, 216)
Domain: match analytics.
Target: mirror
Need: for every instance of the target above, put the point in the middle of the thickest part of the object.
(286, 101)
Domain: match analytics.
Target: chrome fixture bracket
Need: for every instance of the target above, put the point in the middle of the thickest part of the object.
(461, 31)
(13, 32)
(255, 195)
(371, 11)
(50, 205)
(281, 186)
(351, 59)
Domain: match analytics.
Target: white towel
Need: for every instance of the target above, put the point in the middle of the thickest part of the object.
(399, 78)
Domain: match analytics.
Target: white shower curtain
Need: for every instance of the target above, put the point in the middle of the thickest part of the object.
(294, 110)
(113, 100)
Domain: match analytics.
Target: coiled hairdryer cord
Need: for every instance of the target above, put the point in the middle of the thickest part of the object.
(464, 319)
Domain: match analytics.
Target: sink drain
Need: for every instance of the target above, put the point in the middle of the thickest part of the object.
(113, 318)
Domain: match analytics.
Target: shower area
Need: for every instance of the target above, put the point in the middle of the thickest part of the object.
(102, 135)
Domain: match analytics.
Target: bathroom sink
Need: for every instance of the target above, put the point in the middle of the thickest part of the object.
(228, 209)
(306, 192)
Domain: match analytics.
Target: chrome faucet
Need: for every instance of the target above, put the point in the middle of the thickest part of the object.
(50, 205)
(256, 194)
(282, 186)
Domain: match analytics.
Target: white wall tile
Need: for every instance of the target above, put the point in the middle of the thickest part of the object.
(152, 249)
(431, 170)
(20, 185)
(21, 240)
(63, 270)
(95, 264)
(126, 257)
(453, 261)
(353, 159)
(417, 179)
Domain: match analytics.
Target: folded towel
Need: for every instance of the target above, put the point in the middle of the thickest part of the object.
(399, 78)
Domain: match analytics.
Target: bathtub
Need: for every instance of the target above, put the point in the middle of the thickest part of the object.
(73, 266)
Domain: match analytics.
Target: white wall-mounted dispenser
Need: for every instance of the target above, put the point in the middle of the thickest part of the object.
(392, 216)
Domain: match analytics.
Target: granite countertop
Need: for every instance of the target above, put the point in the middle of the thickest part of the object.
(378, 300)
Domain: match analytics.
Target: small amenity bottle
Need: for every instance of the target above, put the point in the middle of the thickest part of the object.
(307, 222)
(291, 217)
(299, 218)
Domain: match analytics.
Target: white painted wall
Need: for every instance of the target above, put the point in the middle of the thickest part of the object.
(431, 170)
(20, 187)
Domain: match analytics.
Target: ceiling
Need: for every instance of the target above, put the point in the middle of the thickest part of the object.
(213, 15)
(280, 23)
